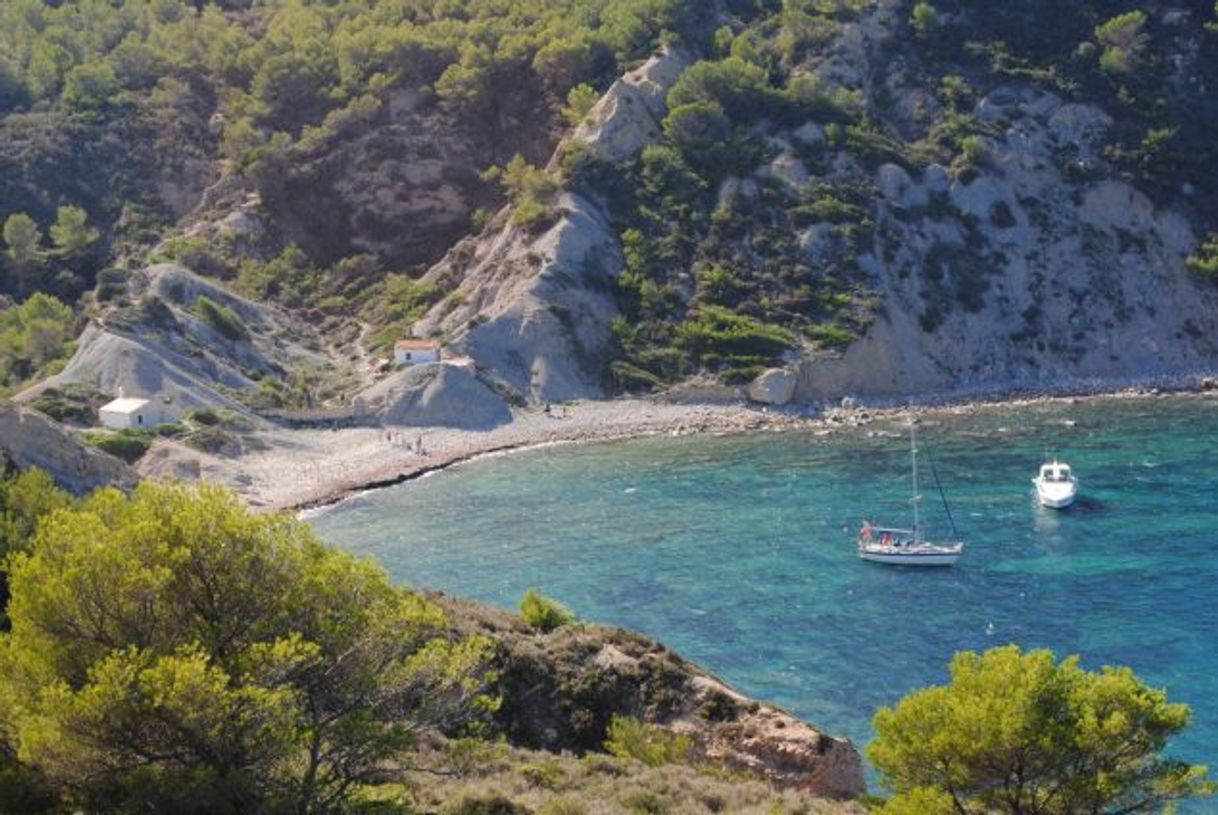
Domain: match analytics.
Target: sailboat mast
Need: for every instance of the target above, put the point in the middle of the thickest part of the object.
(913, 457)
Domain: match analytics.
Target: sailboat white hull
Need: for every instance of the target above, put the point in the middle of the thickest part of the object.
(906, 547)
(928, 556)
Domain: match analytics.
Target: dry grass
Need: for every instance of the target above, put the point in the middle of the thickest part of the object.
(494, 779)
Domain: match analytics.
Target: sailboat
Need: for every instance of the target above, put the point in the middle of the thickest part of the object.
(907, 547)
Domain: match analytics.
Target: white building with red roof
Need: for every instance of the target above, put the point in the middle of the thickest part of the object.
(412, 352)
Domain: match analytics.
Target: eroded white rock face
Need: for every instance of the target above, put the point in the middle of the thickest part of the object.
(1021, 277)
(535, 310)
(773, 387)
(898, 187)
(178, 354)
(1081, 126)
(1013, 273)
(627, 118)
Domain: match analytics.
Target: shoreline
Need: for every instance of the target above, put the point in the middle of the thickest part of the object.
(310, 470)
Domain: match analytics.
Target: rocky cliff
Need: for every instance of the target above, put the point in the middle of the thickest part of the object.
(29, 439)
(1034, 261)
(560, 690)
(535, 309)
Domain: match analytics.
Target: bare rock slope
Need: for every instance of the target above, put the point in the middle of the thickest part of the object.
(536, 310)
(163, 345)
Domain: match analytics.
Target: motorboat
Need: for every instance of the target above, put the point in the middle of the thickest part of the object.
(1056, 486)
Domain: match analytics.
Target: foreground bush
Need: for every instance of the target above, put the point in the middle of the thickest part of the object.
(170, 651)
(1016, 732)
(542, 613)
(648, 743)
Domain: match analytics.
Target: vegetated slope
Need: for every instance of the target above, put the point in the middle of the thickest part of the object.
(317, 155)
(882, 196)
(561, 688)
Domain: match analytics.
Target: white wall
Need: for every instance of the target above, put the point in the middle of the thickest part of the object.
(153, 413)
(413, 356)
(117, 420)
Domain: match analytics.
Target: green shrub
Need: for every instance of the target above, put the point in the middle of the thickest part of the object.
(129, 445)
(561, 805)
(580, 100)
(221, 318)
(1204, 259)
(719, 707)
(831, 335)
(212, 439)
(111, 284)
(70, 404)
(543, 614)
(718, 331)
(204, 416)
(33, 336)
(648, 743)
(532, 191)
(645, 802)
(544, 774)
(471, 804)
(973, 150)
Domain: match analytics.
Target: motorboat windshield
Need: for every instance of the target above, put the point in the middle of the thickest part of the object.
(1055, 472)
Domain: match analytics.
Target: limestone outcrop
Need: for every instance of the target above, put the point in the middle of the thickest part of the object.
(560, 690)
(437, 394)
(1019, 277)
(536, 309)
(627, 118)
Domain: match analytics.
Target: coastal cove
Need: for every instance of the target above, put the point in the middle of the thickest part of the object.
(738, 550)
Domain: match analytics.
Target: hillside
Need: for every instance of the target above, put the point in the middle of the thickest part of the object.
(595, 196)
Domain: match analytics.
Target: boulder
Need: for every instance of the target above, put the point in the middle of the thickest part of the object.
(1079, 126)
(935, 178)
(773, 387)
(810, 134)
(898, 187)
(437, 394)
(787, 169)
(980, 197)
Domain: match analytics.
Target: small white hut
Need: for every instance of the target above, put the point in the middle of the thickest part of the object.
(412, 352)
(127, 411)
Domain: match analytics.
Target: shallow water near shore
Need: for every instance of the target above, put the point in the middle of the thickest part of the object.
(738, 551)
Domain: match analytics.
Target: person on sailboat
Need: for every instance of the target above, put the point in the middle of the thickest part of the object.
(865, 532)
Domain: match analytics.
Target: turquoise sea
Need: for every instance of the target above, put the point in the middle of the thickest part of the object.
(738, 551)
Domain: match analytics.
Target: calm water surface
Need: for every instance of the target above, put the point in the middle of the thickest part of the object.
(738, 551)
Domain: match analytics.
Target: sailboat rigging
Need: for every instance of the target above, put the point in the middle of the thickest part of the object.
(909, 547)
